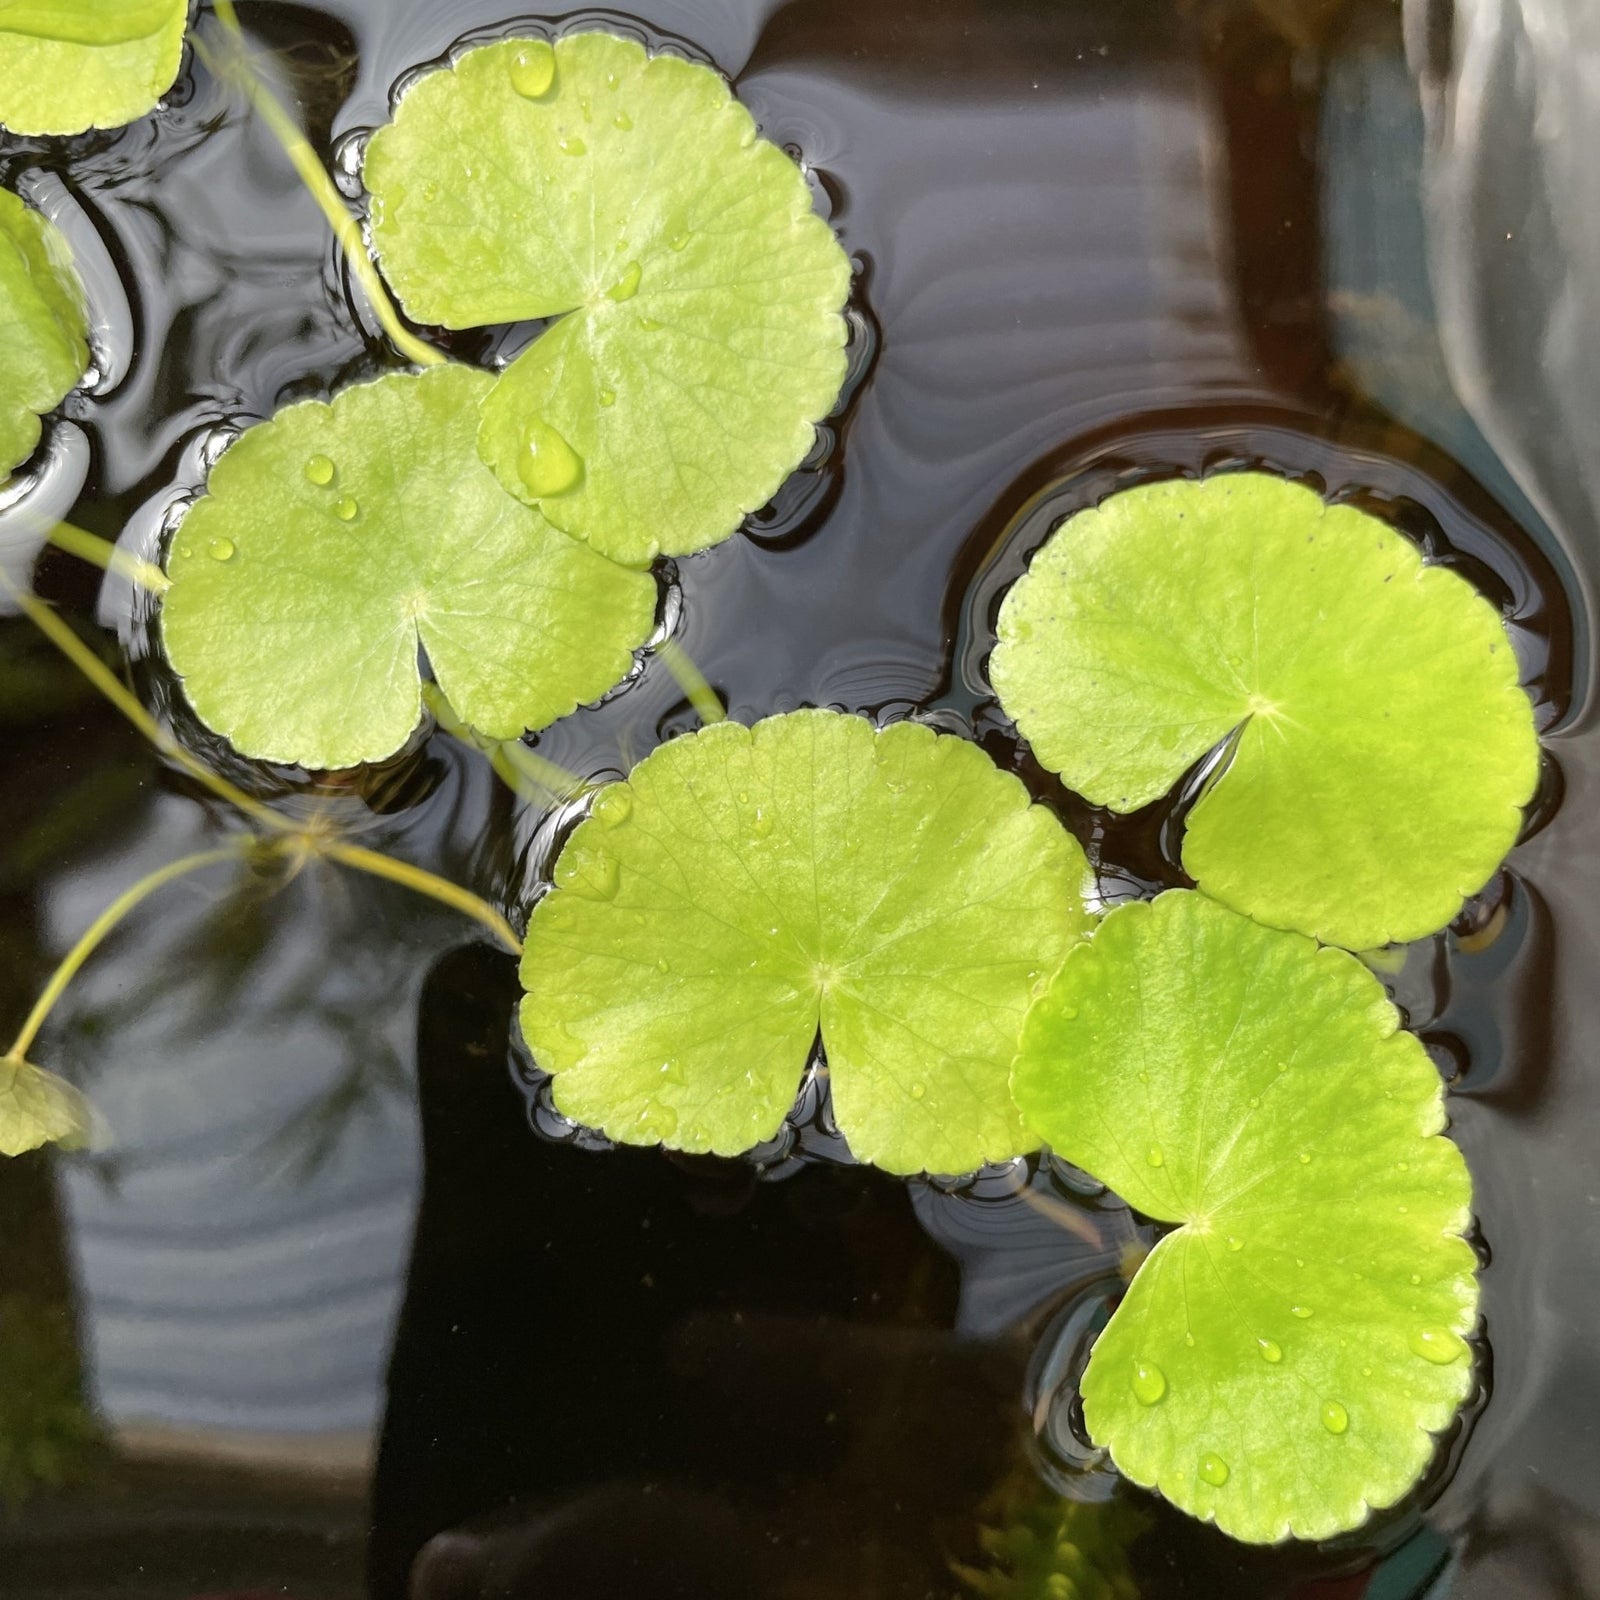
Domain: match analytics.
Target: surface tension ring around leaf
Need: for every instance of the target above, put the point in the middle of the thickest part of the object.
(748, 887)
(698, 297)
(1384, 749)
(335, 540)
(1284, 1356)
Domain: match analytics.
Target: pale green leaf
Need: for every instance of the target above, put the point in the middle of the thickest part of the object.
(699, 295)
(336, 539)
(43, 327)
(38, 1108)
(748, 886)
(1385, 747)
(87, 21)
(91, 69)
(1283, 1357)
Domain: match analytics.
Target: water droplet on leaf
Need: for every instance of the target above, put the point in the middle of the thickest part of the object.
(1149, 1382)
(608, 397)
(1300, 1311)
(1270, 1350)
(613, 805)
(1214, 1470)
(1437, 1345)
(1235, 1244)
(622, 122)
(680, 240)
(1154, 1156)
(627, 286)
(573, 146)
(346, 509)
(222, 549)
(548, 465)
(918, 1090)
(1334, 1416)
(319, 470)
(533, 69)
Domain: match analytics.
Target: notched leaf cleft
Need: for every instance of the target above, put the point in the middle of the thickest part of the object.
(1284, 1355)
(698, 297)
(748, 888)
(335, 540)
(1385, 748)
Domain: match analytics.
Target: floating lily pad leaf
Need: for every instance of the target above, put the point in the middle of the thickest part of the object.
(699, 295)
(1385, 748)
(79, 64)
(336, 539)
(38, 1108)
(44, 326)
(747, 886)
(1282, 1357)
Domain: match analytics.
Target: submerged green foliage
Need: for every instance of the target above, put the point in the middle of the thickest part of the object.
(1038, 1546)
(49, 1438)
(1283, 1356)
(336, 539)
(68, 65)
(38, 1108)
(1385, 748)
(748, 886)
(698, 295)
(44, 327)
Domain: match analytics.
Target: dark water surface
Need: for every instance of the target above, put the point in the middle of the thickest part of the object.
(361, 1316)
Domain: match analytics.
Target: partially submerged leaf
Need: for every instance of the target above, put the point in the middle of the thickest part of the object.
(699, 295)
(747, 886)
(335, 539)
(44, 325)
(1281, 1359)
(38, 1108)
(1385, 747)
(65, 67)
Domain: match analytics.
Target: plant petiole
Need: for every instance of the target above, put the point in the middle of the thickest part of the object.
(93, 936)
(421, 881)
(241, 71)
(692, 681)
(103, 553)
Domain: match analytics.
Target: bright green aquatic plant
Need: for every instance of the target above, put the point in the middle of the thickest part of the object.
(747, 887)
(44, 326)
(697, 295)
(69, 65)
(1284, 1355)
(1384, 748)
(335, 540)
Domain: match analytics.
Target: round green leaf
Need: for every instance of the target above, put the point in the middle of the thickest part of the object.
(1385, 748)
(336, 539)
(38, 1108)
(699, 295)
(89, 64)
(747, 886)
(44, 327)
(1282, 1357)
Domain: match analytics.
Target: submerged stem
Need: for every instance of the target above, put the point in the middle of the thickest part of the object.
(96, 932)
(103, 553)
(692, 681)
(314, 175)
(421, 881)
(514, 763)
(106, 681)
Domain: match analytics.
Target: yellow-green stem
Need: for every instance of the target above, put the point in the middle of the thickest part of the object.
(107, 682)
(515, 764)
(102, 553)
(692, 681)
(321, 187)
(96, 932)
(423, 882)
